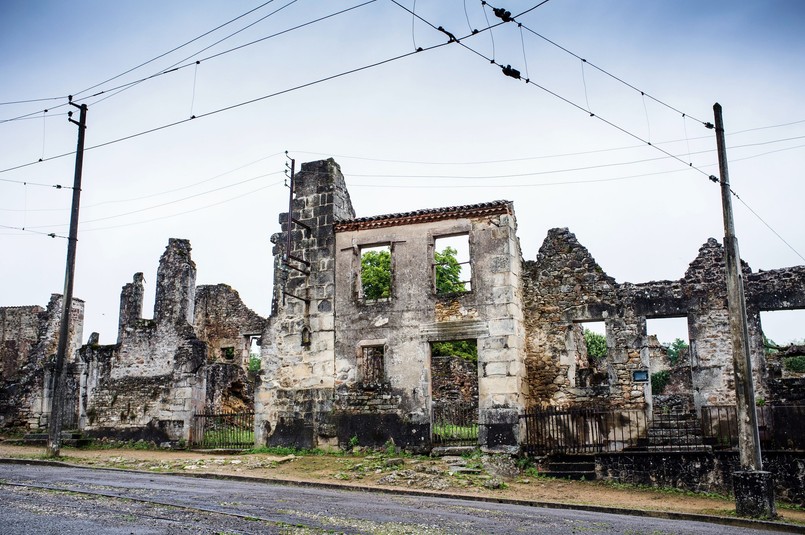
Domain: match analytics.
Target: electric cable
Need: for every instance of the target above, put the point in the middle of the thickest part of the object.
(173, 68)
(25, 229)
(176, 214)
(233, 106)
(560, 155)
(167, 203)
(143, 63)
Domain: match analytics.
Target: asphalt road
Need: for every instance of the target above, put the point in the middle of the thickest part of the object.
(48, 499)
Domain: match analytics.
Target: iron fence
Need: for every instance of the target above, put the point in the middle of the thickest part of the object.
(223, 430)
(781, 427)
(576, 431)
(454, 423)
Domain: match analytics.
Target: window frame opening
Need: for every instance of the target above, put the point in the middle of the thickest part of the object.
(448, 265)
(678, 373)
(371, 365)
(380, 291)
(591, 372)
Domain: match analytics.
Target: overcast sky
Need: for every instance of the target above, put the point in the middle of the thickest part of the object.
(437, 128)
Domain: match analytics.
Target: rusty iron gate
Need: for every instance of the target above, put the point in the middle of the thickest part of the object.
(223, 430)
(454, 423)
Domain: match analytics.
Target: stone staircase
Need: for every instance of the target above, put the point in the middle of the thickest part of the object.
(577, 467)
(68, 438)
(675, 431)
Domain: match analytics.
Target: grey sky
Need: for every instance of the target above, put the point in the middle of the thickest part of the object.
(441, 127)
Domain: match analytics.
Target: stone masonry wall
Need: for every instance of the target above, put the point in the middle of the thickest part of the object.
(415, 315)
(294, 396)
(149, 383)
(28, 341)
(565, 286)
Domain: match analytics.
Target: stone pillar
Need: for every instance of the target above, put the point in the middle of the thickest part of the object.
(176, 284)
(754, 494)
(131, 304)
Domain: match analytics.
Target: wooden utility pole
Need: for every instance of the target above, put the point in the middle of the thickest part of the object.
(753, 488)
(748, 436)
(56, 405)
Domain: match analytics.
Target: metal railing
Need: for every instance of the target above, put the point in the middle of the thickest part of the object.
(222, 430)
(454, 423)
(781, 427)
(576, 431)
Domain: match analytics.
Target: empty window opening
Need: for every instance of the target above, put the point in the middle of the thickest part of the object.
(454, 392)
(253, 343)
(671, 334)
(590, 341)
(375, 273)
(669, 363)
(370, 365)
(451, 264)
(228, 353)
(782, 328)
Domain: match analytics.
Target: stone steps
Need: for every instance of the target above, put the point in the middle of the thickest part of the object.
(576, 467)
(68, 438)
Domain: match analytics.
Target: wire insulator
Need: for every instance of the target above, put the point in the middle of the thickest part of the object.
(508, 71)
(502, 14)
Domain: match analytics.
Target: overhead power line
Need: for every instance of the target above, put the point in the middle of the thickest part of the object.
(233, 106)
(513, 73)
(26, 229)
(110, 92)
(143, 64)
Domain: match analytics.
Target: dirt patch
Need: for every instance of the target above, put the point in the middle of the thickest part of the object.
(455, 476)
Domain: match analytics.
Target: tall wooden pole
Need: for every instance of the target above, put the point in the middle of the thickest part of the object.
(55, 422)
(748, 435)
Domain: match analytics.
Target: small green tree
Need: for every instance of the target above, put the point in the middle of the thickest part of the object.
(675, 350)
(376, 274)
(448, 272)
(659, 381)
(596, 344)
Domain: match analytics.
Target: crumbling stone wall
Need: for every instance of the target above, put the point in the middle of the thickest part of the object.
(222, 321)
(311, 391)
(565, 286)
(293, 399)
(416, 315)
(29, 337)
(149, 383)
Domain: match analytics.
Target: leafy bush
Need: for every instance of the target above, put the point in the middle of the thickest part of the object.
(462, 348)
(659, 381)
(596, 344)
(795, 364)
(254, 363)
(376, 274)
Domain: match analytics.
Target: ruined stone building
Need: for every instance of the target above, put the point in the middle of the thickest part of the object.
(565, 288)
(353, 351)
(337, 364)
(29, 337)
(190, 358)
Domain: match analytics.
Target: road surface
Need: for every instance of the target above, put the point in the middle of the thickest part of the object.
(47, 499)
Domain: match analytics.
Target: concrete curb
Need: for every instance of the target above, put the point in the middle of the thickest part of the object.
(668, 515)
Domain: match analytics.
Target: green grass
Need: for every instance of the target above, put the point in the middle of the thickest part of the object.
(227, 436)
(451, 431)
